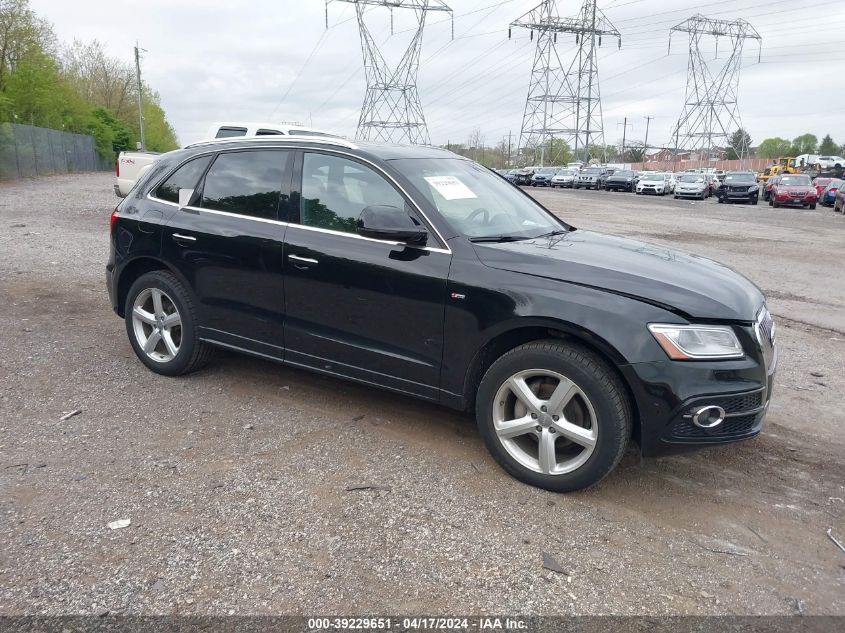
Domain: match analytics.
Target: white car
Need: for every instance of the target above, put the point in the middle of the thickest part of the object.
(692, 186)
(659, 184)
(227, 130)
(564, 178)
(128, 168)
(829, 162)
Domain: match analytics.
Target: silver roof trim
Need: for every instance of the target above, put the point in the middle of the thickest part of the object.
(276, 138)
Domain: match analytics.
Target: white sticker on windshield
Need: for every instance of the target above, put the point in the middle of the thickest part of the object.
(450, 187)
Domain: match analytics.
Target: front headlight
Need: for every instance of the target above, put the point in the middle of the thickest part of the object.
(697, 342)
(752, 189)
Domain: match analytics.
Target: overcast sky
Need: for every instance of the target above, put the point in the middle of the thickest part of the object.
(274, 60)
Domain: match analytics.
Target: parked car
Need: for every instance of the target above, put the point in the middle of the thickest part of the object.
(719, 174)
(543, 176)
(793, 190)
(839, 201)
(523, 176)
(621, 180)
(589, 178)
(692, 186)
(672, 181)
(821, 184)
(602, 179)
(739, 186)
(240, 128)
(128, 167)
(828, 196)
(438, 280)
(564, 178)
(767, 186)
(831, 162)
(658, 183)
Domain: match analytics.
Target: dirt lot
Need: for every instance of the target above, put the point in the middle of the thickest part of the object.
(235, 479)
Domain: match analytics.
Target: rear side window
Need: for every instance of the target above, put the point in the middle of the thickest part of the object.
(263, 132)
(228, 132)
(186, 177)
(247, 183)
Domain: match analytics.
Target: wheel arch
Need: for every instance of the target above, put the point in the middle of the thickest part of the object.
(526, 330)
(133, 269)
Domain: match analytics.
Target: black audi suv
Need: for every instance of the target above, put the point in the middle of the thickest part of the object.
(419, 271)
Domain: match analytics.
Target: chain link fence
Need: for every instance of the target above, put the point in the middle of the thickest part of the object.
(27, 151)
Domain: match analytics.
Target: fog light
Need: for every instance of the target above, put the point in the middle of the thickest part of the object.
(709, 417)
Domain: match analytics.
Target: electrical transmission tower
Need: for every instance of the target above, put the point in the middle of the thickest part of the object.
(563, 101)
(392, 111)
(711, 113)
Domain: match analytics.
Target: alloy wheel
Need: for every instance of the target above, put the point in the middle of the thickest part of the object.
(157, 325)
(545, 421)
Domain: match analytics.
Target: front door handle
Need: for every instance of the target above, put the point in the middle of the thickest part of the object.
(183, 238)
(302, 262)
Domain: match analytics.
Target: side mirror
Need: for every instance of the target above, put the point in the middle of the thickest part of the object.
(185, 196)
(386, 222)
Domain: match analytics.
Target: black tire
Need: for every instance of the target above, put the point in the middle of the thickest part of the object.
(721, 200)
(754, 201)
(812, 206)
(193, 353)
(597, 381)
(775, 204)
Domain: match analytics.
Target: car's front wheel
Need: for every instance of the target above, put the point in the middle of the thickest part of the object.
(554, 415)
(162, 325)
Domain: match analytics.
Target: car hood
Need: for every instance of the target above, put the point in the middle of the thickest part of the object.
(695, 286)
(651, 181)
(620, 177)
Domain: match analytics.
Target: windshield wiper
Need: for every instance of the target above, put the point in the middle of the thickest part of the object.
(499, 238)
(551, 233)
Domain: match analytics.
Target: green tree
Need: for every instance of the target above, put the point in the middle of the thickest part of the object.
(774, 148)
(635, 153)
(738, 145)
(828, 146)
(21, 33)
(805, 144)
(558, 152)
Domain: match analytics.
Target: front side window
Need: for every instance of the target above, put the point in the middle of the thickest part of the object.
(335, 190)
(474, 201)
(186, 177)
(246, 183)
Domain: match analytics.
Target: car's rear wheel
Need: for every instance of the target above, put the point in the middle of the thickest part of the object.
(162, 325)
(554, 415)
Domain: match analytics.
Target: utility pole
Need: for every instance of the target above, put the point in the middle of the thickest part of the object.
(624, 135)
(392, 110)
(509, 148)
(140, 97)
(563, 100)
(645, 142)
(710, 113)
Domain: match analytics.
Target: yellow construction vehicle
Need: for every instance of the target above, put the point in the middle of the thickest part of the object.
(783, 165)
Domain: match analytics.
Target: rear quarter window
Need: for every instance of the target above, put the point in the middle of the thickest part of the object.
(229, 132)
(186, 177)
(246, 183)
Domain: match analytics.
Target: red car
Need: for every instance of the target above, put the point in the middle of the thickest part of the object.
(821, 184)
(793, 189)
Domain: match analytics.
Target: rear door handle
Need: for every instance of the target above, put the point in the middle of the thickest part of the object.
(302, 262)
(183, 238)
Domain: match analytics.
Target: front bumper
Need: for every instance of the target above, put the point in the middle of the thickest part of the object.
(668, 393)
(688, 193)
(650, 189)
(787, 200)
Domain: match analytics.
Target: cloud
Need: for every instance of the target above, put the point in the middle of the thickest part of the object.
(216, 60)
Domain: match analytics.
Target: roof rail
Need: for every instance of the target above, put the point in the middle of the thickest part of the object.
(275, 138)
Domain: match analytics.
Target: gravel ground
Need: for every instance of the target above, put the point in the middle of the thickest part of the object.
(236, 478)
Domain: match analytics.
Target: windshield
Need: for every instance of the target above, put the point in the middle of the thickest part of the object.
(592, 170)
(624, 174)
(794, 180)
(565, 172)
(653, 177)
(692, 178)
(751, 179)
(474, 201)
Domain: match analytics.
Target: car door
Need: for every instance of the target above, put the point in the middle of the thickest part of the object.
(360, 307)
(227, 242)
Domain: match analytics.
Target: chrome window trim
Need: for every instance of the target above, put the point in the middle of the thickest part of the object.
(239, 216)
(440, 238)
